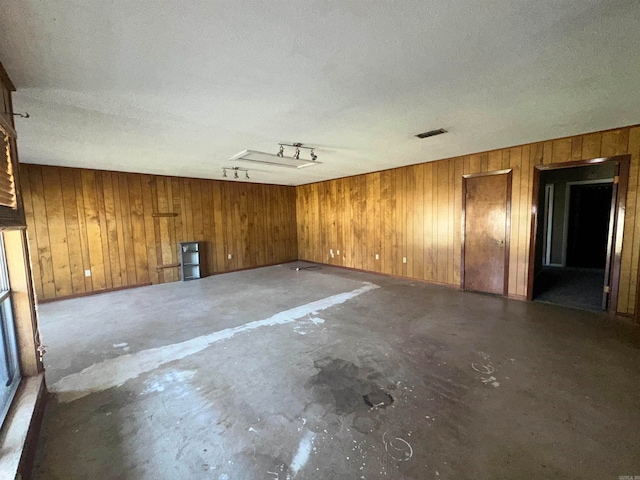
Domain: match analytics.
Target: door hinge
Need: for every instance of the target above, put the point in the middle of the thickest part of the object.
(607, 289)
(616, 180)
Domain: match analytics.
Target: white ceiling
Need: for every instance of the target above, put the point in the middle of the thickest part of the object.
(177, 87)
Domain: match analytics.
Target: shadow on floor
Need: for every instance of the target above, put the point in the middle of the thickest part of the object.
(571, 287)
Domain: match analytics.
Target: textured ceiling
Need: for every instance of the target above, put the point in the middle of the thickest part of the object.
(176, 88)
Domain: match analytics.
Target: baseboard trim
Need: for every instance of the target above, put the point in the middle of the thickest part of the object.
(251, 268)
(93, 292)
(384, 274)
(521, 298)
(127, 287)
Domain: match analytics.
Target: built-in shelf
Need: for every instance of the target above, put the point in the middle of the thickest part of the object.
(190, 260)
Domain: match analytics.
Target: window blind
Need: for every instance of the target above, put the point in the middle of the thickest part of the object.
(7, 183)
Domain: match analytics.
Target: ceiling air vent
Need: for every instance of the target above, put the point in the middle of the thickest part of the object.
(432, 133)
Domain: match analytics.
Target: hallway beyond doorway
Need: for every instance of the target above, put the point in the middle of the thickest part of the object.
(571, 287)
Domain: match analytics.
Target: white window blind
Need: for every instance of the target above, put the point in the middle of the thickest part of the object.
(7, 183)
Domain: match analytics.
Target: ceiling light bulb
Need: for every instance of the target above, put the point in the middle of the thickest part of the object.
(281, 152)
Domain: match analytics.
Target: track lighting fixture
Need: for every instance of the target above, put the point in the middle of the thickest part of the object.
(296, 155)
(296, 158)
(235, 172)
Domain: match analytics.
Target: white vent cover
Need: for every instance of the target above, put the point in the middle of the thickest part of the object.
(252, 156)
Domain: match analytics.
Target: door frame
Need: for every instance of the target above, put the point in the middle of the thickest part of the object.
(622, 163)
(548, 223)
(507, 245)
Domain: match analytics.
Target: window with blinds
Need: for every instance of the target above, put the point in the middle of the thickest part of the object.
(7, 182)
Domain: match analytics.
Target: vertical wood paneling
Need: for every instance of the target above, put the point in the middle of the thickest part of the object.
(138, 229)
(115, 235)
(518, 215)
(591, 145)
(442, 219)
(429, 243)
(94, 237)
(418, 223)
(104, 222)
(415, 211)
(631, 237)
(57, 232)
(76, 265)
(146, 184)
(42, 233)
(31, 232)
(82, 223)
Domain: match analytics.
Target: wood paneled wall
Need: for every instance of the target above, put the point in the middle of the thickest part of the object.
(415, 212)
(122, 226)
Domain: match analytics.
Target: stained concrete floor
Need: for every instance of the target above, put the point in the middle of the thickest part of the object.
(261, 375)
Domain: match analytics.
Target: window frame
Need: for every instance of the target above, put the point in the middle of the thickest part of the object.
(8, 336)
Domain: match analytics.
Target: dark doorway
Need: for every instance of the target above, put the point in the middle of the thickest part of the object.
(589, 218)
(579, 225)
(579, 280)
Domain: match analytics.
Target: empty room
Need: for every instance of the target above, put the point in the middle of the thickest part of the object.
(320, 240)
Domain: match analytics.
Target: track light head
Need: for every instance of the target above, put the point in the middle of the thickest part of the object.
(314, 157)
(224, 173)
(235, 174)
(297, 154)
(280, 152)
(246, 174)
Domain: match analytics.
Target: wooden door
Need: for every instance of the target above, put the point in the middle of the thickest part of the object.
(486, 206)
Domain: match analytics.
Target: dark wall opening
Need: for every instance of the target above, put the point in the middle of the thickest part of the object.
(589, 213)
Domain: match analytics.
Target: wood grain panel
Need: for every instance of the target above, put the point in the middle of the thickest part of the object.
(104, 222)
(415, 212)
(76, 262)
(57, 232)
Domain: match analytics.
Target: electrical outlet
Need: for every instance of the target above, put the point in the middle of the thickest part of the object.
(377, 257)
(404, 259)
(87, 273)
(229, 256)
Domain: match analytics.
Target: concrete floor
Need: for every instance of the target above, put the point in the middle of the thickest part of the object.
(261, 375)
